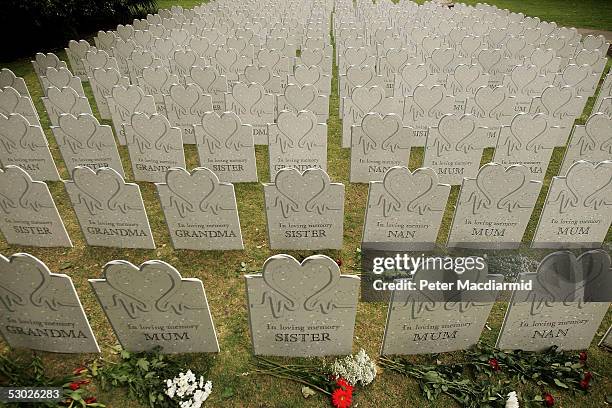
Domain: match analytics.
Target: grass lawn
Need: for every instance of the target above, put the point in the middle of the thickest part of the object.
(223, 278)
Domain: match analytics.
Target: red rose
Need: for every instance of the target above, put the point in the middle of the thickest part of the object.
(90, 400)
(583, 356)
(342, 398)
(494, 364)
(588, 375)
(584, 384)
(74, 386)
(79, 370)
(549, 400)
(339, 262)
(342, 383)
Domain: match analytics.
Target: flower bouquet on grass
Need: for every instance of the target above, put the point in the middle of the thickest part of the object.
(339, 380)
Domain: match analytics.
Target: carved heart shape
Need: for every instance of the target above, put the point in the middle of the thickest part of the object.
(14, 183)
(156, 77)
(367, 99)
(9, 99)
(129, 98)
(179, 36)
(591, 42)
(514, 45)
(125, 31)
(312, 56)
(588, 57)
(455, 128)
(124, 49)
(278, 43)
(164, 46)
(380, 128)
(79, 48)
(407, 187)
(497, 36)
(80, 127)
(575, 74)
(555, 43)
(489, 58)
(226, 57)
(64, 98)
(193, 188)
(300, 97)
(142, 58)
(205, 77)
(221, 127)
(584, 179)
(147, 284)
(268, 58)
(248, 95)
(59, 77)
(497, 182)
(523, 75)
(239, 44)
(7, 78)
(186, 96)
(301, 284)
(100, 186)
(296, 126)
(185, 58)
(466, 75)
(470, 44)
(532, 35)
(260, 75)
(414, 74)
(151, 128)
(97, 59)
(431, 43)
(47, 60)
(542, 57)
(441, 57)
(106, 39)
(13, 127)
(355, 56)
(547, 27)
(307, 75)
(107, 78)
(426, 98)
(21, 276)
(143, 38)
(528, 127)
(301, 188)
(199, 45)
(554, 98)
(599, 126)
(489, 99)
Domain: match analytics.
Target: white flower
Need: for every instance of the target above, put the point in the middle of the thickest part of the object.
(355, 369)
(512, 401)
(187, 391)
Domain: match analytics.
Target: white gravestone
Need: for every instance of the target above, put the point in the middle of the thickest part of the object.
(262, 75)
(200, 211)
(225, 146)
(424, 109)
(152, 305)
(110, 211)
(28, 215)
(405, 210)
(41, 310)
(253, 106)
(11, 101)
(76, 52)
(304, 210)
(591, 142)
(377, 144)
(297, 141)
(297, 98)
(154, 146)
(65, 100)
(25, 145)
(302, 310)
(212, 83)
(528, 140)
(562, 108)
(425, 321)
(312, 75)
(156, 81)
(578, 208)
(60, 78)
(186, 104)
(454, 148)
(43, 61)
(492, 109)
(494, 208)
(8, 78)
(123, 103)
(563, 307)
(82, 141)
(102, 81)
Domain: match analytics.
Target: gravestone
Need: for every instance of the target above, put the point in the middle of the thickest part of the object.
(185, 105)
(110, 211)
(82, 141)
(225, 145)
(76, 52)
(304, 210)
(591, 142)
(404, 210)
(25, 145)
(28, 215)
(123, 103)
(43, 61)
(424, 109)
(578, 209)
(212, 83)
(562, 108)
(8, 78)
(156, 81)
(528, 140)
(377, 144)
(11, 101)
(262, 75)
(102, 82)
(151, 305)
(297, 141)
(65, 100)
(565, 306)
(154, 146)
(312, 75)
(60, 78)
(296, 98)
(423, 321)
(301, 310)
(200, 211)
(253, 106)
(41, 310)
(494, 208)
(492, 108)
(454, 148)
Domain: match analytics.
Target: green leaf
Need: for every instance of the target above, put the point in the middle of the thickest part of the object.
(538, 398)
(560, 383)
(143, 364)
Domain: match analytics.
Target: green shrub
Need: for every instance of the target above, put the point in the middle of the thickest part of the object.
(29, 26)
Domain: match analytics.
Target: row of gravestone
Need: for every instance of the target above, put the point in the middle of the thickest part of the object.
(302, 309)
(305, 210)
